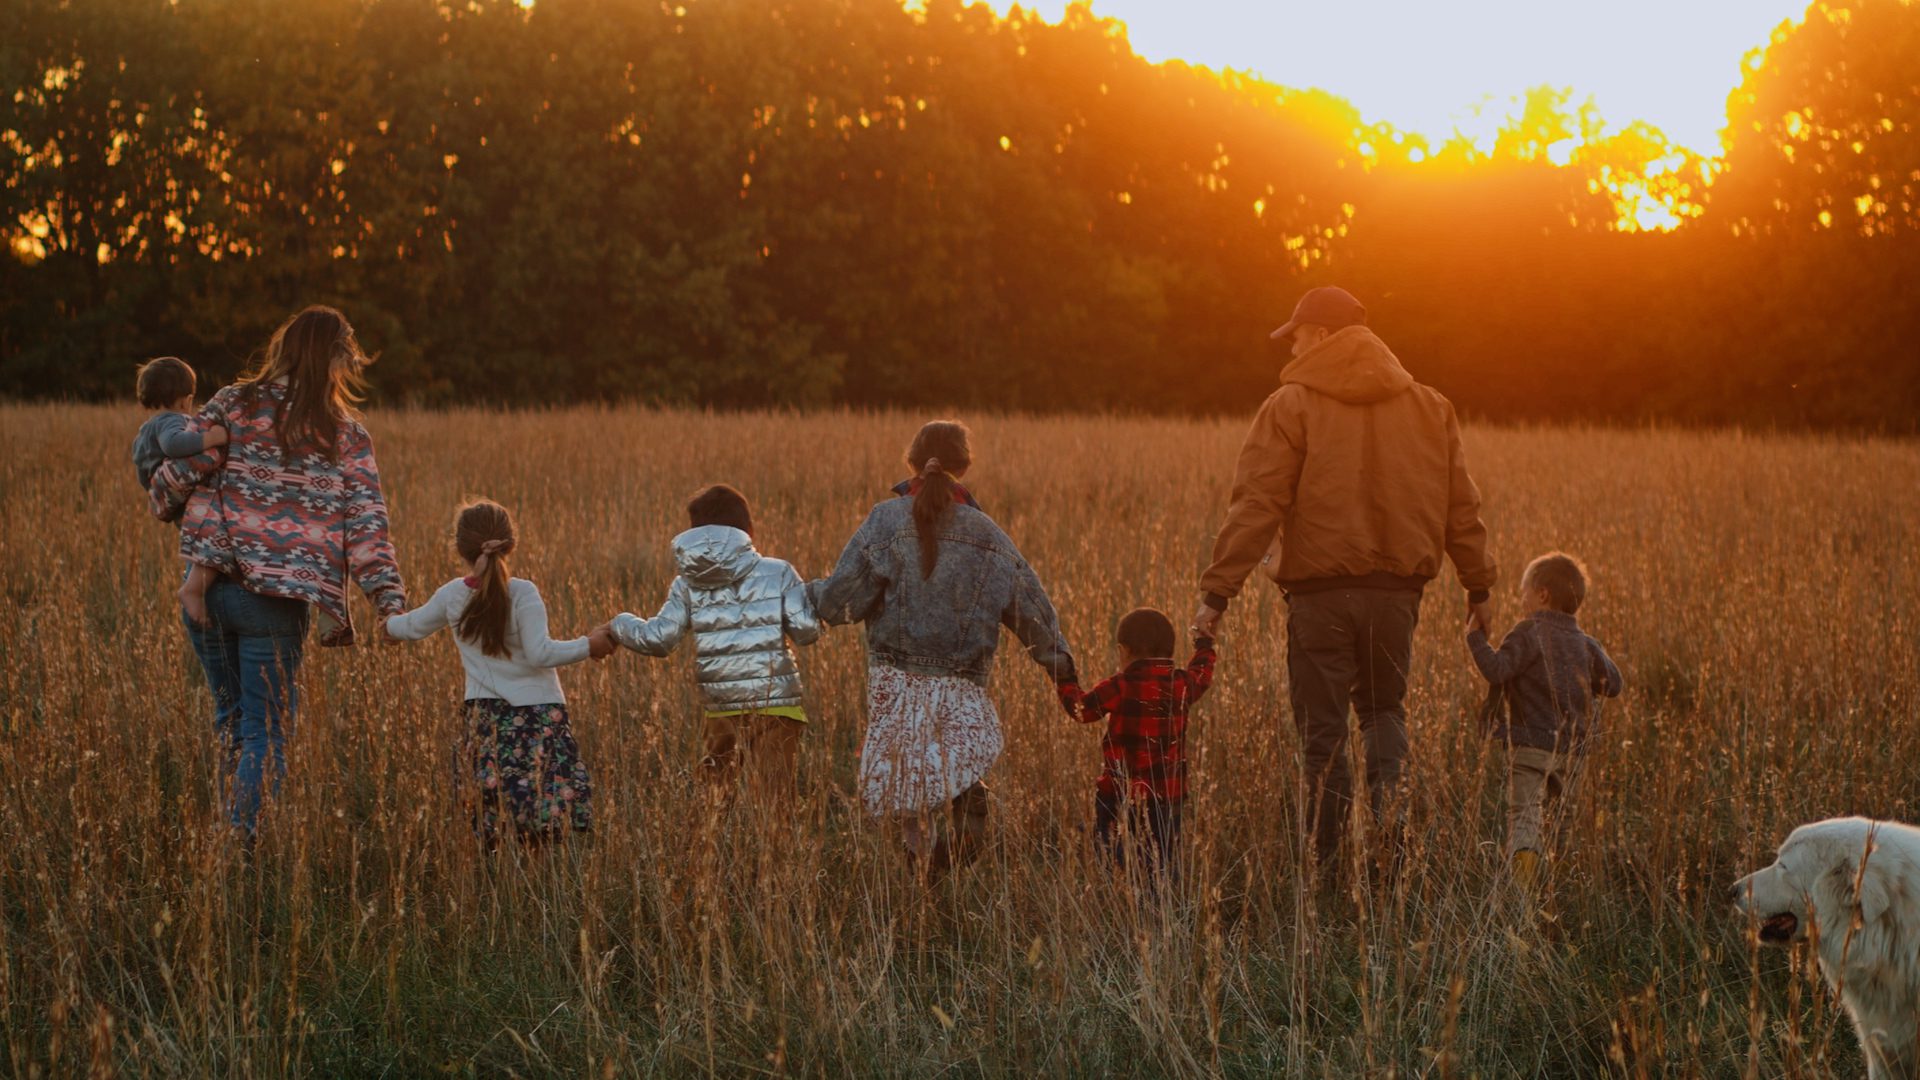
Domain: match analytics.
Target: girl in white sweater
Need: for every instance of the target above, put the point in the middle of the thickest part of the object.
(517, 746)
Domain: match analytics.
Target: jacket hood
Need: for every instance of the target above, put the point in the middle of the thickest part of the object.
(1352, 365)
(714, 556)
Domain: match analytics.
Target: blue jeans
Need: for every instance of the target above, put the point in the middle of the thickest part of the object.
(250, 650)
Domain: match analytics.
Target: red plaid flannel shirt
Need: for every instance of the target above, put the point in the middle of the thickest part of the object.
(1145, 707)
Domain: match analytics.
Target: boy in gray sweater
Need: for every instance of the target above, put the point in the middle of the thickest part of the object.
(166, 385)
(1549, 674)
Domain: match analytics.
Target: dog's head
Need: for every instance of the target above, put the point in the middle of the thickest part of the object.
(1825, 872)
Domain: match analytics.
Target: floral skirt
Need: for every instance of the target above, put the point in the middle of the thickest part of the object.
(522, 762)
(929, 738)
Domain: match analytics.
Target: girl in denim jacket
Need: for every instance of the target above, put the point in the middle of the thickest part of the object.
(934, 580)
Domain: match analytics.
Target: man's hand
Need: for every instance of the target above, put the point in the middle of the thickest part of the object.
(1480, 616)
(600, 643)
(1206, 621)
(1070, 698)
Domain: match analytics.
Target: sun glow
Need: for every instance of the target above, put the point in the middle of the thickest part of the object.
(1648, 77)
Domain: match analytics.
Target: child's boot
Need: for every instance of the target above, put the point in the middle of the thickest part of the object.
(1527, 869)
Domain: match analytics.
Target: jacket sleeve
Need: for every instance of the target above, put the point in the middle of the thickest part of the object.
(1516, 651)
(855, 586)
(422, 622)
(539, 649)
(1264, 481)
(663, 633)
(1100, 701)
(370, 557)
(1466, 533)
(174, 482)
(1200, 669)
(1030, 615)
(1606, 677)
(179, 440)
(797, 617)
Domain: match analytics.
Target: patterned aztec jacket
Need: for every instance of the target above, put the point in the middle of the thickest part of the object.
(1548, 673)
(1145, 706)
(293, 525)
(740, 607)
(948, 624)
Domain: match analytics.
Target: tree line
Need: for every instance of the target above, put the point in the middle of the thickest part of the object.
(724, 203)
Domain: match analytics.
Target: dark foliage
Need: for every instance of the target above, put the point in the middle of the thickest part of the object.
(732, 203)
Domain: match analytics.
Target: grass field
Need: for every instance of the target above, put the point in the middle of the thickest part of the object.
(1762, 595)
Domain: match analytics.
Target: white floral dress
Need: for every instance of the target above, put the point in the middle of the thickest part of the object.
(929, 738)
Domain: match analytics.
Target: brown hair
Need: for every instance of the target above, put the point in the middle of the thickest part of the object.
(485, 619)
(1146, 632)
(162, 381)
(317, 355)
(720, 504)
(944, 443)
(1562, 576)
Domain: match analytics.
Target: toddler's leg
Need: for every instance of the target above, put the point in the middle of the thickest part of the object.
(1563, 787)
(1526, 786)
(1106, 827)
(193, 592)
(1164, 821)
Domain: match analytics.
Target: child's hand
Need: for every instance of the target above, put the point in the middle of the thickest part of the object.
(1070, 698)
(600, 643)
(215, 436)
(1475, 622)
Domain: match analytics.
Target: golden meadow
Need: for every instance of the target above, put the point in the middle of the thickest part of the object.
(1758, 591)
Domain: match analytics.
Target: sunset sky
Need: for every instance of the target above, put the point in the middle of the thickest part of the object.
(1422, 65)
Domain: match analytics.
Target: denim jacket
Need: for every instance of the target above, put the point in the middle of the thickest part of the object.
(947, 624)
(1548, 673)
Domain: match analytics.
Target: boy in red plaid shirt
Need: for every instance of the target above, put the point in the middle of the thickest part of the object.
(1145, 747)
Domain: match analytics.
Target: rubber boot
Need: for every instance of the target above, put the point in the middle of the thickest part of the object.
(1527, 869)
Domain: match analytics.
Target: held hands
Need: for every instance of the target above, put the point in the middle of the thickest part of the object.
(1206, 621)
(1480, 617)
(600, 643)
(1070, 698)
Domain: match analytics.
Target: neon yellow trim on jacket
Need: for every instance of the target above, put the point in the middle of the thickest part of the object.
(788, 712)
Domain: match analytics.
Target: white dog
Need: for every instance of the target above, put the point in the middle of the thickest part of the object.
(1853, 886)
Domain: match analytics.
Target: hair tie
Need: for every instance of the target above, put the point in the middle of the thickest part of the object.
(932, 466)
(487, 551)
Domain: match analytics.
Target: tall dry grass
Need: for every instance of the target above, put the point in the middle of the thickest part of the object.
(1759, 593)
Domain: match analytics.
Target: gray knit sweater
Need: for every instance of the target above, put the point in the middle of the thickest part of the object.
(1549, 673)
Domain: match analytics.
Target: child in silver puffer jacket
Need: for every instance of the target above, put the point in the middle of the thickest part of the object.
(741, 609)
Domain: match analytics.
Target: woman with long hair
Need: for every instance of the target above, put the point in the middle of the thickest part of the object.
(288, 515)
(934, 580)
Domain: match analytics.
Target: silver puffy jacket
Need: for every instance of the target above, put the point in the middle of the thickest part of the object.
(741, 608)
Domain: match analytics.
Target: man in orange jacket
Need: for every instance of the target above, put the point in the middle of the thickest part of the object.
(1350, 490)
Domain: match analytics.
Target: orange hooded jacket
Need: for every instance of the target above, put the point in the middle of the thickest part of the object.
(1353, 475)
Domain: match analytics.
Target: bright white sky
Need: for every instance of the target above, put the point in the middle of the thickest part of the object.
(1422, 65)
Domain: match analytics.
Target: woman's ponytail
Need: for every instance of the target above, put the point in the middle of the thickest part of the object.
(483, 535)
(941, 449)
